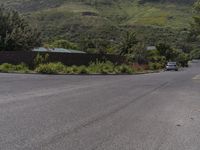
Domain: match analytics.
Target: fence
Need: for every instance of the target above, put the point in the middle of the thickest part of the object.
(28, 57)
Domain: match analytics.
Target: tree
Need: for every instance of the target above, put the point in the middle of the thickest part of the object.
(195, 54)
(62, 44)
(167, 51)
(183, 59)
(101, 45)
(15, 33)
(140, 53)
(194, 36)
(86, 44)
(127, 44)
(195, 26)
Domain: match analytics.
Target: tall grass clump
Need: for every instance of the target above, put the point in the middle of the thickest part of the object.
(51, 68)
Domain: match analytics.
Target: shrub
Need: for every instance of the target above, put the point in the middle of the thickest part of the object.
(101, 67)
(154, 57)
(195, 54)
(124, 69)
(155, 66)
(6, 67)
(39, 59)
(94, 67)
(145, 67)
(14, 68)
(107, 68)
(183, 59)
(76, 70)
(68, 70)
(83, 70)
(51, 68)
(22, 68)
(138, 68)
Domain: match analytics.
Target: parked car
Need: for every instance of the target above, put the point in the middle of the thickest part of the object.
(195, 61)
(171, 66)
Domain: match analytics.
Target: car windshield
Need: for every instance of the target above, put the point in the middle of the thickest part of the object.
(171, 63)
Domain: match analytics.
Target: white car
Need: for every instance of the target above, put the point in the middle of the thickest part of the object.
(171, 66)
(195, 61)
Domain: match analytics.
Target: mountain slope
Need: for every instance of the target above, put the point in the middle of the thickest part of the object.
(72, 17)
(129, 12)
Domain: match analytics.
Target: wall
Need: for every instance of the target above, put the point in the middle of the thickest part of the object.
(67, 59)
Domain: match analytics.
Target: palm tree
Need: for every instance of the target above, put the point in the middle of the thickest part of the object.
(127, 43)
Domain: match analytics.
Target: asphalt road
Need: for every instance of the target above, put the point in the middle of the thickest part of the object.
(158, 111)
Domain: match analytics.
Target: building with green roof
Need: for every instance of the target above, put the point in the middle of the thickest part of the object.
(57, 50)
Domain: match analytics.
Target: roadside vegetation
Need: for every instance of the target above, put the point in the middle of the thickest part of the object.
(9, 68)
(44, 66)
(59, 68)
(93, 68)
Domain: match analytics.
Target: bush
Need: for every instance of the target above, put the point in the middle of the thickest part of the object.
(39, 59)
(77, 70)
(59, 68)
(155, 57)
(83, 70)
(124, 69)
(107, 68)
(6, 67)
(183, 59)
(139, 68)
(155, 66)
(195, 54)
(68, 70)
(14, 68)
(51, 68)
(101, 67)
(22, 68)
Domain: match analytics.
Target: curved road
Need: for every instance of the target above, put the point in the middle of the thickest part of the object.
(141, 112)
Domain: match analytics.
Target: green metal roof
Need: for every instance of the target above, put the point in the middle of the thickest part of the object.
(57, 50)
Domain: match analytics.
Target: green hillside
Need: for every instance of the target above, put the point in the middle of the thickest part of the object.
(128, 12)
(75, 18)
